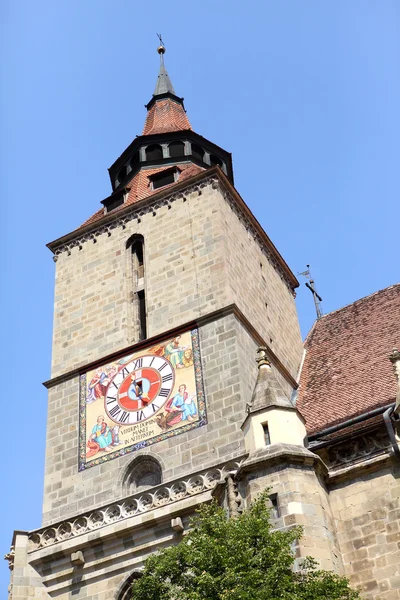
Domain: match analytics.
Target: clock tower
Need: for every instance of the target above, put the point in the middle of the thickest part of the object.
(162, 298)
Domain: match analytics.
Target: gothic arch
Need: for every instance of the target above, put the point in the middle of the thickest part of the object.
(124, 590)
(142, 472)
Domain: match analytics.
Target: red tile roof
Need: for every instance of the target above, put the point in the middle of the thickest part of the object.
(166, 115)
(139, 187)
(346, 370)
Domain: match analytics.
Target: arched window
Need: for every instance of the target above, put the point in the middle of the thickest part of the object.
(197, 152)
(142, 473)
(215, 160)
(154, 152)
(135, 245)
(176, 149)
(125, 590)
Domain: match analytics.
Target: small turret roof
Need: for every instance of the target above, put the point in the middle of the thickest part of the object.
(267, 391)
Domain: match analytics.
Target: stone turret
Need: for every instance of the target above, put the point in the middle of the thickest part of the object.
(271, 417)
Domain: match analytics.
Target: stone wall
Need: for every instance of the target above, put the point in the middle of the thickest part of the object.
(367, 514)
(257, 288)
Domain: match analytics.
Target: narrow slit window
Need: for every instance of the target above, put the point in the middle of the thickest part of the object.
(137, 251)
(267, 438)
(275, 510)
(142, 315)
(135, 245)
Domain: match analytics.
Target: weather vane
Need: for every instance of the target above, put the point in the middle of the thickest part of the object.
(311, 286)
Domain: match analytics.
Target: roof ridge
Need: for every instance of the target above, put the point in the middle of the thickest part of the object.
(363, 299)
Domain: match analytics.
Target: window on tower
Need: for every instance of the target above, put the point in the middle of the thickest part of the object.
(136, 247)
(215, 160)
(197, 152)
(164, 178)
(267, 438)
(176, 149)
(142, 473)
(154, 152)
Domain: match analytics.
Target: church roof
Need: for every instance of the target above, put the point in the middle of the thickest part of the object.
(346, 370)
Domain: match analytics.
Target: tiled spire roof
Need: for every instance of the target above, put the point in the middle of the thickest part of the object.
(267, 391)
(163, 84)
(165, 111)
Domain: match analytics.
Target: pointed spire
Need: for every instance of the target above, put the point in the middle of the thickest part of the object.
(164, 84)
(267, 391)
(165, 111)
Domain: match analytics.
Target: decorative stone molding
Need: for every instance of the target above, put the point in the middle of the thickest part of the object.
(131, 506)
(141, 208)
(361, 447)
(135, 213)
(10, 556)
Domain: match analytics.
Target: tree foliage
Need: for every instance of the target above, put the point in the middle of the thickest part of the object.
(236, 559)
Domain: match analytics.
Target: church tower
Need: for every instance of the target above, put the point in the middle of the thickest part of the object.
(162, 298)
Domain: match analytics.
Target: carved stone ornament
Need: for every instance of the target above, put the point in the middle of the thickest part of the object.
(10, 557)
(394, 357)
(234, 499)
(262, 358)
(357, 449)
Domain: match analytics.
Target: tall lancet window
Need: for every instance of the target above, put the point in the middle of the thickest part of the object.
(135, 245)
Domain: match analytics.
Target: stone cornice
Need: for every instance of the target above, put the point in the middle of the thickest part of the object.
(281, 454)
(200, 321)
(214, 177)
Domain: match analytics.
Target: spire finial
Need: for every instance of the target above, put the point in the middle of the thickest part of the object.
(262, 358)
(161, 48)
(163, 85)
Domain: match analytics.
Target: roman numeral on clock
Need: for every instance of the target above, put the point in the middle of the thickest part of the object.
(164, 392)
(138, 364)
(124, 417)
(167, 377)
(114, 411)
(162, 367)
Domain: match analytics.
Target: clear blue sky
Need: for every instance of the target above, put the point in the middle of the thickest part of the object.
(305, 94)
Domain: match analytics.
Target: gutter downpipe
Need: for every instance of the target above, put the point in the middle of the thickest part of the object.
(387, 417)
(353, 421)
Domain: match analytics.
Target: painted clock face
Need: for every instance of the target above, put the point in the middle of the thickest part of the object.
(139, 389)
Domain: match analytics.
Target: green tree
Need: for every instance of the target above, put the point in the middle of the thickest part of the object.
(236, 559)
